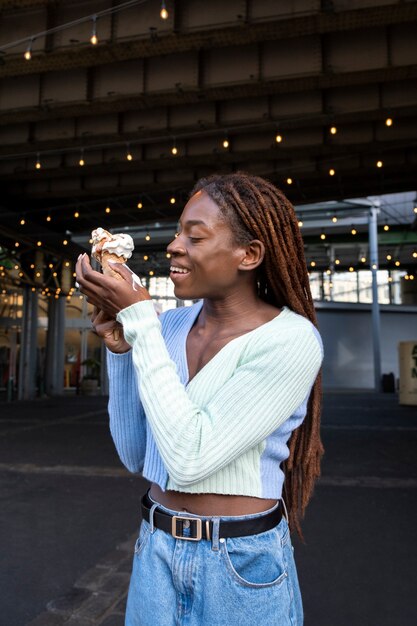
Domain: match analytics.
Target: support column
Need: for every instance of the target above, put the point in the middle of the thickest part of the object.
(28, 344)
(54, 364)
(376, 324)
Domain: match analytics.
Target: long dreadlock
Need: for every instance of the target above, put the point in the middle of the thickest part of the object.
(256, 209)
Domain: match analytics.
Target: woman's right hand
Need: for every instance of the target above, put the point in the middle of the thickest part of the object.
(110, 331)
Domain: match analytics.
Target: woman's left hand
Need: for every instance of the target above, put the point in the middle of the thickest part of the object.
(105, 292)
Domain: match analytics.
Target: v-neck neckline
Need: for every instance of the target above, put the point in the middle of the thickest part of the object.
(191, 323)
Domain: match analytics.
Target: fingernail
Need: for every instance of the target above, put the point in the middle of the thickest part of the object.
(79, 257)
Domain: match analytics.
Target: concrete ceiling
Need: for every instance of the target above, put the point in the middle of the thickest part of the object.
(247, 70)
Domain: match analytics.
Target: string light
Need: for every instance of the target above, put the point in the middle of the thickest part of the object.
(163, 13)
(48, 218)
(379, 164)
(22, 221)
(313, 264)
(334, 219)
(332, 172)
(147, 237)
(353, 230)
(278, 138)
(415, 255)
(322, 236)
(415, 209)
(81, 162)
(151, 272)
(168, 256)
(107, 209)
(225, 143)
(174, 149)
(172, 200)
(300, 223)
(389, 257)
(94, 38)
(65, 242)
(38, 162)
(337, 261)
(333, 130)
(39, 243)
(17, 244)
(145, 257)
(140, 205)
(386, 227)
(76, 214)
(28, 52)
(374, 266)
(351, 269)
(388, 121)
(289, 181)
(129, 155)
(397, 263)
(363, 259)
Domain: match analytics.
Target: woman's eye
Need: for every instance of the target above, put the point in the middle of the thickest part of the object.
(193, 239)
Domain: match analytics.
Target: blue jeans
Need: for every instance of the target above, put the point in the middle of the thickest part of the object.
(242, 581)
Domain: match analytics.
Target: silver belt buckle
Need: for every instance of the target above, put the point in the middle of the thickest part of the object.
(197, 520)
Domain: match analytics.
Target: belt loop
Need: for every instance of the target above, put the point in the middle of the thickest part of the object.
(215, 534)
(285, 510)
(151, 522)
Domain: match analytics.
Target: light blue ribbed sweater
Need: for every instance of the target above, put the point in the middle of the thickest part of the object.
(226, 430)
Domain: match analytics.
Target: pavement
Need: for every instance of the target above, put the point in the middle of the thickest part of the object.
(70, 514)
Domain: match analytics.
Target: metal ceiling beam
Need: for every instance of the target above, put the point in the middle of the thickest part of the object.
(241, 34)
(190, 132)
(182, 96)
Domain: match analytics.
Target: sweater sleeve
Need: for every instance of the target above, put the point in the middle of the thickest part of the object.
(196, 442)
(127, 418)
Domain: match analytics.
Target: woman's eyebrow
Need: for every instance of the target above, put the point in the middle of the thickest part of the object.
(193, 223)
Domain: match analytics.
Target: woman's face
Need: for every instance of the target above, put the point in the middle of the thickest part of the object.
(204, 258)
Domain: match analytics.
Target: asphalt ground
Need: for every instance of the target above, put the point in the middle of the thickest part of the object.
(69, 515)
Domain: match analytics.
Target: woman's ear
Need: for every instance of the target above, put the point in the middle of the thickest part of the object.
(254, 255)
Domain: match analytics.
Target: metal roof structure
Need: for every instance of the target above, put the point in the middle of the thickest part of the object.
(318, 96)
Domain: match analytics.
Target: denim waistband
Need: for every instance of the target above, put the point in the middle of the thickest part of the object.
(220, 517)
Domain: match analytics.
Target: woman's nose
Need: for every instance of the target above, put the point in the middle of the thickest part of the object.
(176, 247)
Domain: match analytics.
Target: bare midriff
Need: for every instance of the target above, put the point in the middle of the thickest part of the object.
(210, 504)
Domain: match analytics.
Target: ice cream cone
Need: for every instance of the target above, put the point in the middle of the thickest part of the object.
(109, 256)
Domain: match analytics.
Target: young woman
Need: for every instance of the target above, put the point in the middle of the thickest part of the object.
(217, 405)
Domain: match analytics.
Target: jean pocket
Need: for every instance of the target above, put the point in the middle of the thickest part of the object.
(144, 534)
(257, 560)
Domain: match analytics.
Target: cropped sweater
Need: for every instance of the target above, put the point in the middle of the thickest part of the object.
(226, 430)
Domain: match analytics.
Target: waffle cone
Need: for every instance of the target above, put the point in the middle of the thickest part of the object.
(108, 256)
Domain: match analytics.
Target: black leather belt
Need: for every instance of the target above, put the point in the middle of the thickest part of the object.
(203, 528)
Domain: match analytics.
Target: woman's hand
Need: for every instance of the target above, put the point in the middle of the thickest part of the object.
(107, 293)
(110, 331)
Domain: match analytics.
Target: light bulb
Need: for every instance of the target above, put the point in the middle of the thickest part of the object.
(129, 157)
(337, 261)
(332, 172)
(163, 13)
(108, 209)
(65, 242)
(17, 244)
(289, 181)
(363, 259)
(353, 231)
(76, 214)
(225, 143)
(147, 237)
(334, 219)
(322, 236)
(389, 257)
(313, 264)
(379, 164)
(278, 138)
(48, 218)
(38, 162)
(388, 121)
(28, 53)
(172, 200)
(145, 257)
(94, 38)
(140, 205)
(351, 269)
(386, 227)
(333, 130)
(22, 222)
(300, 223)
(39, 243)
(81, 162)
(174, 150)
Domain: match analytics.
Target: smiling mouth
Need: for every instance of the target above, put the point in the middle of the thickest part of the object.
(178, 270)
